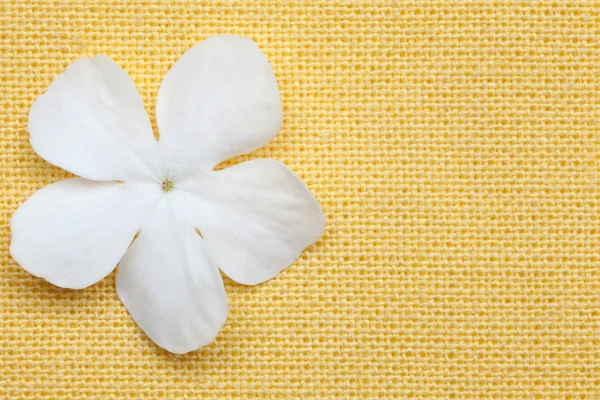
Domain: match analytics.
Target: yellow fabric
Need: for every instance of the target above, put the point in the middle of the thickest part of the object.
(454, 149)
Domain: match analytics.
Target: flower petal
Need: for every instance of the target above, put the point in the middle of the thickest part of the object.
(74, 232)
(169, 283)
(91, 121)
(218, 101)
(256, 217)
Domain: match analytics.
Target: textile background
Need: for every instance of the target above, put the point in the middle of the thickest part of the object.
(454, 149)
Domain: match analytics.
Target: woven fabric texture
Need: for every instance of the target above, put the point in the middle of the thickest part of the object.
(454, 149)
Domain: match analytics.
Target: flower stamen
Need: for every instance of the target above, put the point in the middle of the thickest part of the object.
(167, 185)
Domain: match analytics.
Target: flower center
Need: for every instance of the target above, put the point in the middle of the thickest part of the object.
(167, 185)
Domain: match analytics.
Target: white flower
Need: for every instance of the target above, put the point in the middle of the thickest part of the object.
(218, 101)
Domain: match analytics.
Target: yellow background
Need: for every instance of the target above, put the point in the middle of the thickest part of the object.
(454, 149)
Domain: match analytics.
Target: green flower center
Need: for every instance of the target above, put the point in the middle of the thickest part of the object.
(167, 185)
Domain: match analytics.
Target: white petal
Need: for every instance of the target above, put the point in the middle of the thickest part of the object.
(256, 217)
(74, 232)
(91, 121)
(219, 100)
(169, 283)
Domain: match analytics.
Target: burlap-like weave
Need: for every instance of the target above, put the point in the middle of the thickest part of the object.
(453, 147)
